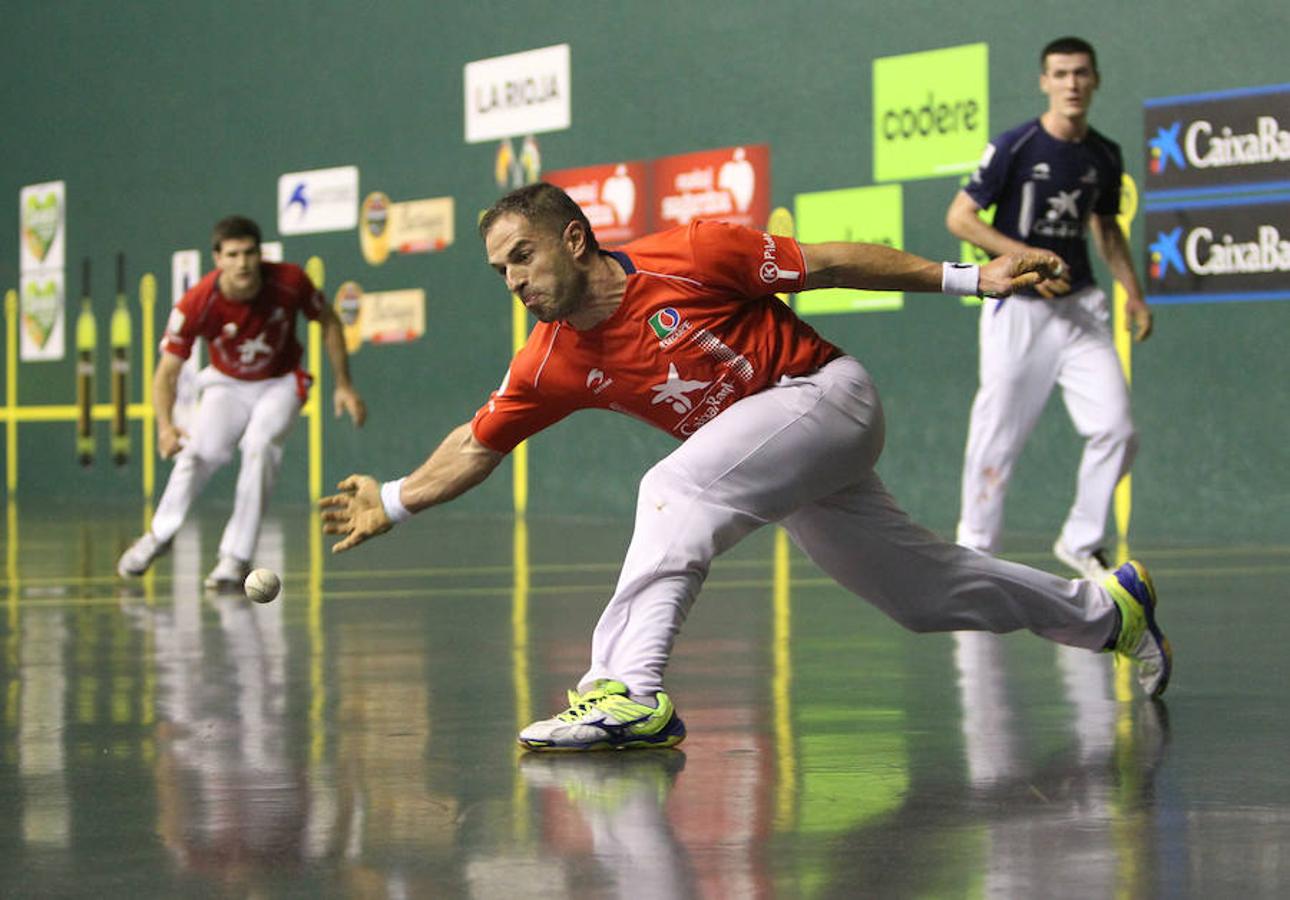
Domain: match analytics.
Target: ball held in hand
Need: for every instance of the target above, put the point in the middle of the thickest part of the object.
(262, 585)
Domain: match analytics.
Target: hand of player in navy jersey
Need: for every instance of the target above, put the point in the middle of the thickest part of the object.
(1017, 271)
(1138, 318)
(356, 512)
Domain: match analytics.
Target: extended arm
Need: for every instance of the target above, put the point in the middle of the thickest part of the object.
(964, 222)
(164, 386)
(344, 398)
(875, 267)
(1113, 247)
(359, 512)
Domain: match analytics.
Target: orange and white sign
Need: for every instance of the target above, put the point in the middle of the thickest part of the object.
(730, 185)
(614, 197)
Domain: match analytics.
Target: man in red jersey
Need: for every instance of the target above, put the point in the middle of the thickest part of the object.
(251, 393)
(682, 329)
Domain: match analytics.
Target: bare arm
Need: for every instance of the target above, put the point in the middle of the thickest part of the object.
(164, 387)
(344, 398)
(1113, 247)
(457, 465)
(875, 267)
(964, 223)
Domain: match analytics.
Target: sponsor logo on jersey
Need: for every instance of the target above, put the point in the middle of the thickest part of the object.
(1064, 203)
(707, 409)
(597, 381)
(1041, 172)
(249, 350)
(664, 322)
(1089, 177)
(675, 390)
(770, 271)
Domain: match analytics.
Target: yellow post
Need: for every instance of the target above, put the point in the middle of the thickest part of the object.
(520, 456)
(147, 304)
(1124, 348)
(11, 391)
(317, 273)
(313, 409)
(520, 668)
(782, 689)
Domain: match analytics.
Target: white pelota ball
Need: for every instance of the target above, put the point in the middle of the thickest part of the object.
(262, 585)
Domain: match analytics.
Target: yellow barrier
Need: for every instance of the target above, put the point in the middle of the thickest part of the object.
(13, 414)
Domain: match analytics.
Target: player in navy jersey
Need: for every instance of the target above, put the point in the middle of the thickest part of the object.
(251, 392)
(1052, 180)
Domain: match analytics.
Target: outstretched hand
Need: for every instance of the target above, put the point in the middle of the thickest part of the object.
(1018, 271)
(356, 512)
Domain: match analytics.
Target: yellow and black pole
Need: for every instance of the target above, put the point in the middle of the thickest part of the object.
(120, 334)
(86, 339)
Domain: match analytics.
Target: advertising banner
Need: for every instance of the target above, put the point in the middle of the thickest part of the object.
(41, 314)
(1205, 144)
(318, 200)
(1238, 251)
(870, 214)
(42, 226)
(931, 112)
(731, 184)
(518, 94)
(615, 198)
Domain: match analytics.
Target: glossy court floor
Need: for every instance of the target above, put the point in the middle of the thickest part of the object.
(355, 738)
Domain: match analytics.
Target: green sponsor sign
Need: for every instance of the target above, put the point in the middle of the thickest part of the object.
(931, 112)
(40, 220)
(971, 253)
(874, 215)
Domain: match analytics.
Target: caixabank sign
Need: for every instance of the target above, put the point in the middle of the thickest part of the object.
(1203, 143)
(1212, 253)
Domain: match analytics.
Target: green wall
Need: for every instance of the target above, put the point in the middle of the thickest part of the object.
(163, 117)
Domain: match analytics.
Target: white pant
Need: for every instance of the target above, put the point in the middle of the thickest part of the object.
(1027, 346)
(802, 453)
(256, 417)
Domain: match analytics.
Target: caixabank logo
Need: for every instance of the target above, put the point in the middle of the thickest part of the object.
(1206, 141)
(1237, 252)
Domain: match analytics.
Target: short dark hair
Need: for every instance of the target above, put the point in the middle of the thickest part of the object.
(1068, 44)
(543, 204)
(234, 227)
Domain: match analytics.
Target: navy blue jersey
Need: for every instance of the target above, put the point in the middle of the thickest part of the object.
(1046, 188)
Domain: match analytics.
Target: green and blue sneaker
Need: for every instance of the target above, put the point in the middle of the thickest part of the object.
(606, 718)
(1140, 639)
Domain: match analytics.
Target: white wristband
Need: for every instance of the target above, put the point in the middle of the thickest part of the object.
(394, 507)
(960, 278)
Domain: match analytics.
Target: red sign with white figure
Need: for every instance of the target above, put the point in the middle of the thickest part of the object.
(731, 185)
(614, 197)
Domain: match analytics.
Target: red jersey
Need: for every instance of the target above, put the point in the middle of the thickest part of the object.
(699, 327)
(250, 340)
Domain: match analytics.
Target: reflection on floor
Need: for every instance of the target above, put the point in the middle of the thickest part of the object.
(355, 737)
